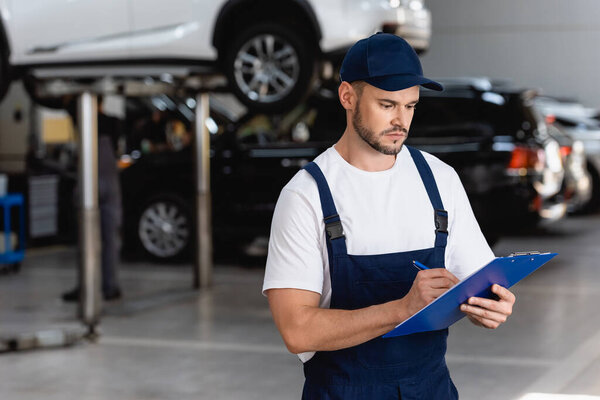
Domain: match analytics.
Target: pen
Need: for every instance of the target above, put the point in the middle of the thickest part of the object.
(419, 266)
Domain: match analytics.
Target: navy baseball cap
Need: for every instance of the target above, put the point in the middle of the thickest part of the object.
(387, 62)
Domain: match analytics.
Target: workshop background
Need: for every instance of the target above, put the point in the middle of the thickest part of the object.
(519, 121)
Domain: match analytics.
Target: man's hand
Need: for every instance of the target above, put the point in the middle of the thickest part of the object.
(428, 285)
(489, 313)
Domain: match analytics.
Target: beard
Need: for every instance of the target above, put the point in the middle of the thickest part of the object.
(373, 139)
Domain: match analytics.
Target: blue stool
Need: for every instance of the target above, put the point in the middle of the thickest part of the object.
(10, 256)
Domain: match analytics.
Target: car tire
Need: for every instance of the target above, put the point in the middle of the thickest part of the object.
(269, 67)
(164, 228)
(593, 204)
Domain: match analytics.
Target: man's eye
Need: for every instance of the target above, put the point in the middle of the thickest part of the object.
(386, 106)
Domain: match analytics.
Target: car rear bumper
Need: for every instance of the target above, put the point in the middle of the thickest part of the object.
(507, 209)
(552, 211)
(412, 25)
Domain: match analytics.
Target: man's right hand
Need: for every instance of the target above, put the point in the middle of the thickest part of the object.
(428, 286)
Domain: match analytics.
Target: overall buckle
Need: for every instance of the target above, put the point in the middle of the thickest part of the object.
(334, 229)
(441, 221)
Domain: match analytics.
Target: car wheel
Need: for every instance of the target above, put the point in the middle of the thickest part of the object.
(593, 204)
(270, 67)
(165, 228)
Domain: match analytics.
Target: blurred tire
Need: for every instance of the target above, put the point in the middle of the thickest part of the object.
(593, 205)
(165, 228)
(269, 67)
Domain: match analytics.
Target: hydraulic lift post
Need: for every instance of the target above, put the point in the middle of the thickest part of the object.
(89, 214)
(60, 82)
(203, 264)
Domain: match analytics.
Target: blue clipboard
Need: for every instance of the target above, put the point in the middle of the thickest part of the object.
(445, 310)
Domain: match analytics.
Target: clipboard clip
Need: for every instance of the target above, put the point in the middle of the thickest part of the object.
(524, 253)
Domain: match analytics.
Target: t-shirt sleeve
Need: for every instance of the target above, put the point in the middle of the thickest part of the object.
(295, 258)
(467, 249)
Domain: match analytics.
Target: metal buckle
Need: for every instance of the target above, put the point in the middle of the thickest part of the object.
(334, 230)
(441, 221)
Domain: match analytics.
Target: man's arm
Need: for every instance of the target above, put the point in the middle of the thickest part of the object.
(306, 327)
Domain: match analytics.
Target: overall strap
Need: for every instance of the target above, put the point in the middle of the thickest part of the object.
(440, 215)
(336, 241)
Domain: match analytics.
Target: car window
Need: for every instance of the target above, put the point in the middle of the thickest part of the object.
(449, 116)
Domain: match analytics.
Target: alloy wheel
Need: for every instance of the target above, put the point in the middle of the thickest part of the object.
(266, 68)
(164, 229)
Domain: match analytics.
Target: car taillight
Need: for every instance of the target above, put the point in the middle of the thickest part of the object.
(125, 161)
(524, 158)
(565, 151)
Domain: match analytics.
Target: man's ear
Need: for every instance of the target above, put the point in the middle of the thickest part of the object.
(348, 96)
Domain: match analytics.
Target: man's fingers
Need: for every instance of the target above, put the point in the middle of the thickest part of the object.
(490, 313)
(483, 322)
(503, 293)
(442, 283)
(437, 274)
(429, 285)
(483, 313)
(502, 307)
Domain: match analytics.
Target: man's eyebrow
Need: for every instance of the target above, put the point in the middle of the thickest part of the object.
(394, 102)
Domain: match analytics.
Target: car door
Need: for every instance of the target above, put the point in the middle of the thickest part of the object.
(70, 30)
(175, 29)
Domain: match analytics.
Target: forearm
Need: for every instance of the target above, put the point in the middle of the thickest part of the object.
(318, 329)
(306, 327)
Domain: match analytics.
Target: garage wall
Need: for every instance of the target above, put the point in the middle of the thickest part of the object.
(546, 44)
(15, 111)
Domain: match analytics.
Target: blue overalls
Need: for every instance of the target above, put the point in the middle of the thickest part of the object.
(405, 367)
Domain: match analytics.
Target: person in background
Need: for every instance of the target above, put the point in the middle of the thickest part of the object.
(109, 202)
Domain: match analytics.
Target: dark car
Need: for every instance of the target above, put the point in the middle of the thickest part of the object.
(500, 146)
(509, 165)
(249, 166)
(578, 182)
(581, 123)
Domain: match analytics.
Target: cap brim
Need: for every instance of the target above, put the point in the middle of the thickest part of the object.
(392, 83)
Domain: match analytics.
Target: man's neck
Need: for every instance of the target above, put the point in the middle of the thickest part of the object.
(361, 155)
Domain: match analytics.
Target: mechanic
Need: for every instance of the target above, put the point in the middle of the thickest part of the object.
(110, 129)
(346, 229)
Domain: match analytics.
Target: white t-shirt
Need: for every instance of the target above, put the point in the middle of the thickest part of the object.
(382, 212)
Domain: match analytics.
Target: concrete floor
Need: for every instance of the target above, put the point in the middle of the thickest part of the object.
(165, 341)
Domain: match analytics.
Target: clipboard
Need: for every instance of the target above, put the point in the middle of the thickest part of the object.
(445, 310)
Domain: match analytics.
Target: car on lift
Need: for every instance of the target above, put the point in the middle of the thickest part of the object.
(271, 51)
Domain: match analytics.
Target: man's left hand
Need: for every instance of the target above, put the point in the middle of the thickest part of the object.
(489, 313)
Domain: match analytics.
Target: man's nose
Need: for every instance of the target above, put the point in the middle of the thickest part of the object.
(401, 119)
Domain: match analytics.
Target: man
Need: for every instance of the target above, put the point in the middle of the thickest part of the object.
(345, 232)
